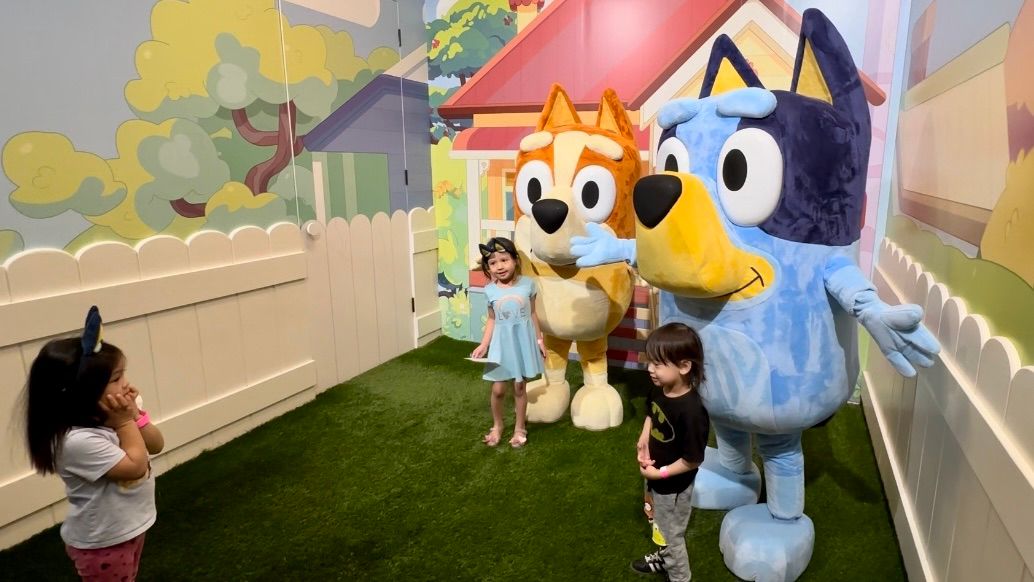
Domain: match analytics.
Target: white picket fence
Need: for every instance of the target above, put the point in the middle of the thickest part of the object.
(221, 333)
(955, 446)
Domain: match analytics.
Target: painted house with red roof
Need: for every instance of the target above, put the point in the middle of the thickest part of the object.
(648, 51)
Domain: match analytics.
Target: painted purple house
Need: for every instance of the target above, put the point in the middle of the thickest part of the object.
(373, 153)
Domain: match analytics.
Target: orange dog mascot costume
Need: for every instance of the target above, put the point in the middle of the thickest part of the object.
(570, 174)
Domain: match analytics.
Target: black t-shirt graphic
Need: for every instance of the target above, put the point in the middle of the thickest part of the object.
(679, 431)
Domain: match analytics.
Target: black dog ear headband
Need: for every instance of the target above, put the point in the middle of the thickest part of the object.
(493, 246)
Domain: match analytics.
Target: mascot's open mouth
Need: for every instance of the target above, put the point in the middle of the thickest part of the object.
(682, 245)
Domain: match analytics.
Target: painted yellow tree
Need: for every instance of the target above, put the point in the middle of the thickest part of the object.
(226, 91)
(127, 196)
(1009, 234)
(10, 243)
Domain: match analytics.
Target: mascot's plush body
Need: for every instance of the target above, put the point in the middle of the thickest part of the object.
(571, 174)
(750, 229)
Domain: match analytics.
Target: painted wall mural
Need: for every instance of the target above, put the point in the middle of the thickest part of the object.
(963, 187)
(462, 35)
(492, 62)
(214, 125)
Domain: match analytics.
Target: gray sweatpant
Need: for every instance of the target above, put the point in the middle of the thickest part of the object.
(671, 514)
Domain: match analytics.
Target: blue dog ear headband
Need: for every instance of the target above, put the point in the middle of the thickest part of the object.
(92, 332)
(92, 340)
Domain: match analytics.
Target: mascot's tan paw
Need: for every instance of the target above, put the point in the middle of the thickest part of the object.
(597, 407)
(547, 402)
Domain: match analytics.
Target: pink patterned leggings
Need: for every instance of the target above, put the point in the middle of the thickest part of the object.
(118, 563)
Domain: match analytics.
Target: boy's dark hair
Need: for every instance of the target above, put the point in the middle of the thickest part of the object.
(499, 244)
(63, 391)
(674, 342)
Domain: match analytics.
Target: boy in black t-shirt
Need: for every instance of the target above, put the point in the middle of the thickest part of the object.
(672, 443)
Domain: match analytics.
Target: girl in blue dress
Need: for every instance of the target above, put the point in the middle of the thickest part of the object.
(513, 341)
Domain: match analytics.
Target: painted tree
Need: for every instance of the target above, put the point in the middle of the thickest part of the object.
(441, 127)
(211, 56)
(467, 36)
(130, 194)
(10, 243)
(226, 91)
(1009, 233)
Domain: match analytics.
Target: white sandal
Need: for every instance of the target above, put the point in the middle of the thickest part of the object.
(520, 438)
(493, 437)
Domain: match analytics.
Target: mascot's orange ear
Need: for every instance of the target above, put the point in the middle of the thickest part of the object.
(559, 111)
(611, 116)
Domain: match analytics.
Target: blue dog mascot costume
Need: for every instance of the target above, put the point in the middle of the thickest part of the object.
(750, 229)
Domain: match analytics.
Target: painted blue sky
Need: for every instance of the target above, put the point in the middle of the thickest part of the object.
(850, 18)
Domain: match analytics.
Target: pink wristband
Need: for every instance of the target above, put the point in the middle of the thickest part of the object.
(664, 472)
(144, 420)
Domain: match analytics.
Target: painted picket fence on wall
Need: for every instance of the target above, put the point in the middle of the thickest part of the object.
(955, 445)
(221, 333)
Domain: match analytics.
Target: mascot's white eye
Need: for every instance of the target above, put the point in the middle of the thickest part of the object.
(594, 193)
(533, 182)
(672, 156)
(750, 176)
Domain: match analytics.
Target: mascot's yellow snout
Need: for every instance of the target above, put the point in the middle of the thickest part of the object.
(682, 244)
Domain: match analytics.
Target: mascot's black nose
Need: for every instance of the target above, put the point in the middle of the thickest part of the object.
(654, 196)
(550, 214)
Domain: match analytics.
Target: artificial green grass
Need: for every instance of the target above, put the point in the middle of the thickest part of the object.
(385, 478)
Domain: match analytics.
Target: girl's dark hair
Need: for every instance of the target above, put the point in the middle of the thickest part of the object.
(675, 342)
(499, 244)
(64, 391)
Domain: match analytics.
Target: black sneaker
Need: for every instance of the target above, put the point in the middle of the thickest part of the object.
(649, 564)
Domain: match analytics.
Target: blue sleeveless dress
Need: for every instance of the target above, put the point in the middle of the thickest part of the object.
(514, 351)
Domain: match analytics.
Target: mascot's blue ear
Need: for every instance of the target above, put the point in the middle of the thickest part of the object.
(824, 68)
(727, 70)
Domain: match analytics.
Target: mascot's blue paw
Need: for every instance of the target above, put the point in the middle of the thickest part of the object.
(716, 487)
(757, 546)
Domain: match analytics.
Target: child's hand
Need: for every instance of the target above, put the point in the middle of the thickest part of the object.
(480, 351)
(642, 449)
(649, 472)
(133, 395)
(118, 410)
(542, 348)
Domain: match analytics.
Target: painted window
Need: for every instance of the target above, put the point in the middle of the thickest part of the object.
(497, 200)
